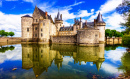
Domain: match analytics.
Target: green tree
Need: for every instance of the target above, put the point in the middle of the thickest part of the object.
(2, 32)
(119, 34)
(11, 34)
(113, 32)
(6, 33)
(108, 33)
(125, 64)
(124, 9)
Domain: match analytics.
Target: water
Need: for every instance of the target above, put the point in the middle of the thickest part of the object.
(61, 61)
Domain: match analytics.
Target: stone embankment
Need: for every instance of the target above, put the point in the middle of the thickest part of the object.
(9, 40)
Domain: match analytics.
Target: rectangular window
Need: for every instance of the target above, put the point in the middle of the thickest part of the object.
(41, 34)
(41, 30)
(41, 51)
(27, 29)
(35, 35)
(35, 28)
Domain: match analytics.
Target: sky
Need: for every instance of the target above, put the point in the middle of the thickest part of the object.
(11, 12)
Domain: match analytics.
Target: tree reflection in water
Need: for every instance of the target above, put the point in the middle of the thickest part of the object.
(125, 67)
(4, 49)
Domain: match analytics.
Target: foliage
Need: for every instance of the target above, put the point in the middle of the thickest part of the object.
(6, 33)
(111, 33)
(125, 64)
(4, 49)
(126, 40)
(3, 33)
(11, 34)
(124, 9)
(111, 47)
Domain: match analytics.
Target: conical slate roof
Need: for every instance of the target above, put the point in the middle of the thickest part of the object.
(26, 16)
(58, 16)
(99, 18)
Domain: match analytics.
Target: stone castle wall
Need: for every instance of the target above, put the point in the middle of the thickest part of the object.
(64, 39)
(88, 36)
(10, 39)
(26, 27)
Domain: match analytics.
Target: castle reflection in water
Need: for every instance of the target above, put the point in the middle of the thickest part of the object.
(40, 57)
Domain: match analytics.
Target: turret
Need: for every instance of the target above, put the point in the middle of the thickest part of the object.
(26, 26)
(80, 24)
(58, 21)
(100, 24)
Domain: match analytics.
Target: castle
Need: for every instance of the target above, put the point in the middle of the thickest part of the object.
(42, 29)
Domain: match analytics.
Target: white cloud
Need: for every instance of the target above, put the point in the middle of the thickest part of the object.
(9, 22)
(84, 13)
(67, 60)
(15, 54)
(115, 55)
(91, 64)
(108, 68)
(114, 21)
(110, 5)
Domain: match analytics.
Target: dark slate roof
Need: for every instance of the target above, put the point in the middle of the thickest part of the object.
(66, 28)
(58, 16)
(76, 22)
(89, 24)
(42, 13)
(99, 18)
(26, 16)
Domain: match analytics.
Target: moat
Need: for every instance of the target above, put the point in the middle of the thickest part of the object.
(30, 61)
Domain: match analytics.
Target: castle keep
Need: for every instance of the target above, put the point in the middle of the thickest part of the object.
(41, 28)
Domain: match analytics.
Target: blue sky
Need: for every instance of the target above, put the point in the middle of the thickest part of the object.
(12, 10)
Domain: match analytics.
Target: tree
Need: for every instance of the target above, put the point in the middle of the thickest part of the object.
(113, 32)
(124, 9)
(6, 33)
(11, 34)
(2, 32)
(108, 33)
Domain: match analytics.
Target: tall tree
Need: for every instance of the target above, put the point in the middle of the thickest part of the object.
(124, 9)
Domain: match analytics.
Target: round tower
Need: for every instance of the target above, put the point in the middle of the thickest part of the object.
(26, 26)
(101, 26)
(58, 21)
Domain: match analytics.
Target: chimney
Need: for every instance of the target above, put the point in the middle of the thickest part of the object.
(46, 13)
(63, 25)
(94, 21)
